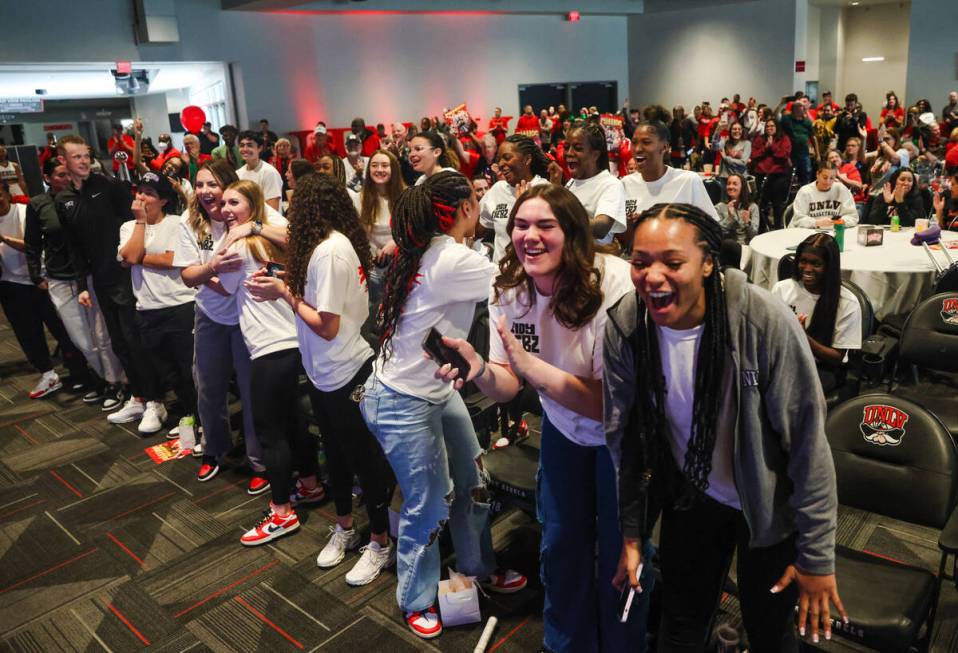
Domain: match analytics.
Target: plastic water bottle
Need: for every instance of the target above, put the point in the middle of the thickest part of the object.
(840, 234)
(895, 223)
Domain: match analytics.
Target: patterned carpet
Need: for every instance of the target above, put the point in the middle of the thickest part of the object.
(102, 549)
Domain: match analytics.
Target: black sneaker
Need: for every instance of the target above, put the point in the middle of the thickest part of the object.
(112, 397)
(94, 396)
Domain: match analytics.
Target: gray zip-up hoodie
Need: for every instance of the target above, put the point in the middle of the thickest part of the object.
(783, 466)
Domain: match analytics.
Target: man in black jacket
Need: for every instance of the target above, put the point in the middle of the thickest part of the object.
(91, 211)
(50, 264)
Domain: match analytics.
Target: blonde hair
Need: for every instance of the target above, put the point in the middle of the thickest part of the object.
(261, 248)
(198, 220)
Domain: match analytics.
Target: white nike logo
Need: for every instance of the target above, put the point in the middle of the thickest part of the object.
(96, 194)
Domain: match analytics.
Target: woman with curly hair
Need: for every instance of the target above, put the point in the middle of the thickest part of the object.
(219, 349)
(422, 422)
(547, 314)
(325, 285)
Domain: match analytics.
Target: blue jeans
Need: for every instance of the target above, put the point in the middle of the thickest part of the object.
(578, 508)
(432, 449)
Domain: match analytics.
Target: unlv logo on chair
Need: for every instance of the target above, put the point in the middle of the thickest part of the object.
(949, 310)
(883, 425)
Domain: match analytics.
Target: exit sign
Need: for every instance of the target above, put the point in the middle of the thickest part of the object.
(799, 66)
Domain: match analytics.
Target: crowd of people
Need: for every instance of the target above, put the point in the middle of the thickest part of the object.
(595, 247)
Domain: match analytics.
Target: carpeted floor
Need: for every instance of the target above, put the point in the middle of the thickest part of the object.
(103, 549)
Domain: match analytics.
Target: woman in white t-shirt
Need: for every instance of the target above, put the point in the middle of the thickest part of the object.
(421, 422)
(830, 313)
(380, 190)
(164, 304)
(428, 155)
(547, 314)
(218, 346)
(325, 284)
(602, 195)
(269, 331)
(522, 164)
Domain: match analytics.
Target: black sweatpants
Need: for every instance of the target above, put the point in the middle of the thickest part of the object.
(696, 552)
(28, 309)
(276, 419)
(351, 448)
(118, 307)
(167, 336)
(774, 196)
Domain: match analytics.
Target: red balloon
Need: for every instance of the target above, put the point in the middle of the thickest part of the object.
(192, 118)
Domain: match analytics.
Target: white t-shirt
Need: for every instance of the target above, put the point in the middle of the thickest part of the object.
(189, 251)
(13, 261)
(675, 186)
(422, 178)
(848, 320)
(8, 172)
(381, 233)
(452, 278)
(267, 326)
(577, 352)
(678, 351)
(602, 195)
(266, 176)
(495, 208)
(335, 283)
(155, 288)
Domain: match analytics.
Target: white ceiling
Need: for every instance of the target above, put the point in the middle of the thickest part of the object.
(94, 80)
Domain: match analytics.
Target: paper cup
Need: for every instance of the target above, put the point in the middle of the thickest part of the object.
(921, 224)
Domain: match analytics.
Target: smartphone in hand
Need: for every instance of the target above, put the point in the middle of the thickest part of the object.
(273, 267)
(433, 345)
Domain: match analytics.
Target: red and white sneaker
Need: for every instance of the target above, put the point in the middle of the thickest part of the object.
(257, 485)
(301, 495)
(208, 470)
(426, 624)
(48, 384)
(272, 526)
(504, 581)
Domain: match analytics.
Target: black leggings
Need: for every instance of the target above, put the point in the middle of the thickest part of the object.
(276, 419)
(696, 552)
(27, 309)
(351, 447)
(167, 337)
(774, 193)
(119, 314)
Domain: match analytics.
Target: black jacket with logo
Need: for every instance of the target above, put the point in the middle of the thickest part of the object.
(45, 245)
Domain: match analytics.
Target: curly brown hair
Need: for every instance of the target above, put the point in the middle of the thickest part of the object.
(320, 206)
(578, 286)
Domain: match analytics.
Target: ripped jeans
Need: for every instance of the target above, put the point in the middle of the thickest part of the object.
(432, 449)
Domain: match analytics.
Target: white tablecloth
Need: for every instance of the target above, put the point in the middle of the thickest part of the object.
(894, 275)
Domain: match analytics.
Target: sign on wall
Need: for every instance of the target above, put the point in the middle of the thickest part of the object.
(21, 105)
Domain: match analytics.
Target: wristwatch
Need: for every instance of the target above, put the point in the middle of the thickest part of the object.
(257, 228)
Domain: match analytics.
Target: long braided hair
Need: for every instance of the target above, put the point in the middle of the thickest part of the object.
(320, 205)
(710, 368)
(538, 161)
(420, 213)
(822, 325)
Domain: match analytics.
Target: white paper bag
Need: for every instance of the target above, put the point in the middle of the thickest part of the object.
(458, 600)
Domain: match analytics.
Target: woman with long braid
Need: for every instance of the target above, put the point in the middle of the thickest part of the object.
(522, 164)
(703, 420)
(547, 317)
(421, 421)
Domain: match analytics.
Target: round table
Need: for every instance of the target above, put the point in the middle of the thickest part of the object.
(894, 275)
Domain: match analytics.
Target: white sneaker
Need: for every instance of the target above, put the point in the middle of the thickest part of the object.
(132, 410)
(48, 383)
(340, 541)
(153, 417)
(375, 558)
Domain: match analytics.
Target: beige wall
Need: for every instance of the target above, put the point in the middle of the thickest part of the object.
(880, 30)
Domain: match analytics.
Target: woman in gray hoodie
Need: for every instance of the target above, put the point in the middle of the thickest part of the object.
(715, 417)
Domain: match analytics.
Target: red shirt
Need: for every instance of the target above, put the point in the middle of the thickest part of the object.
(314, 153)
(498, 127)
(851, 171)
(527, 123)
(894, 117)
(113, 146)
(370, 143)
(467, 166)
(951, 155)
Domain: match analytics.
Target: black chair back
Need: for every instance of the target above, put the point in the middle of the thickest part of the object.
(787, 216)
(929, 338)
(868, 313)
(714, 189)
(894, 458)
(786, 265)
(947, 281)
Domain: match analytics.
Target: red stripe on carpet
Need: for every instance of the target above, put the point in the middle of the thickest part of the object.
(225, 589)
(132, 628)
(124, 547)
(262, 617)
(23, 507)
(49, 571)
(884, 557)
(214, 493)
(141, 506)
(509, 634)
(25, 434)
(63, 480)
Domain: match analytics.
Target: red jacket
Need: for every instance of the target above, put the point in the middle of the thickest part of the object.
(157, 163)
(527, 123)
(370, 142)
(771, 160)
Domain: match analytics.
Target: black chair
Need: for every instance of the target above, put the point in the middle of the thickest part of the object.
(787, 215)
(714, 189)
(852, 383)
(786, 266)
(512, 474)
(893, 458)
(929, 351)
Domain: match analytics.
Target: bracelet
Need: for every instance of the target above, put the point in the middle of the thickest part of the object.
(482, 369)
